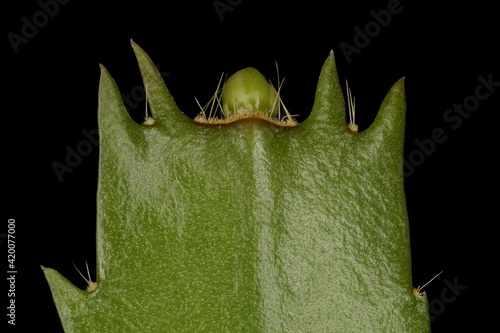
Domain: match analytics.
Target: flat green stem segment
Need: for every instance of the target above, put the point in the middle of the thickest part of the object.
(247, 227)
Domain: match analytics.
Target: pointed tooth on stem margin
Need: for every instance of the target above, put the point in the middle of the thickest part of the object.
(385, 136)
(163, 107)
(329, 105)
(388, 128)
(115, 124)
(69, 300)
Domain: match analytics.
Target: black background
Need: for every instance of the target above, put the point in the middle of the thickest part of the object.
(51, 97)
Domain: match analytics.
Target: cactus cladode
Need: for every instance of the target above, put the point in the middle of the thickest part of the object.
(249, 222)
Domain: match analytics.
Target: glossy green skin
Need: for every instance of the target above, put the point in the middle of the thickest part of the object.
(247, 227)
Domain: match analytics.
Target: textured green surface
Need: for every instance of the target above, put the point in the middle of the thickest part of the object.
(247, 227)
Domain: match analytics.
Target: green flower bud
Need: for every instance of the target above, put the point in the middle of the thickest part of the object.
(247, 92)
